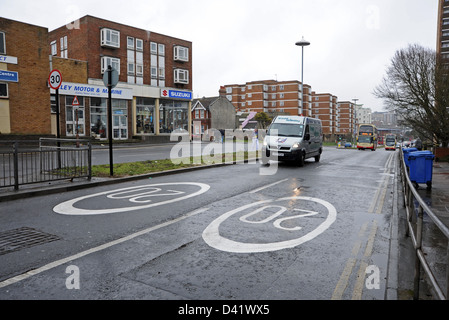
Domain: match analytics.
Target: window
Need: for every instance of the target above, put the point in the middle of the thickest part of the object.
(153, 47)
(109, 61)
(63, 41)
(139, 69)
(110, 38)
(153, 72)
(3, 90)
(130, 68)
(181, 76)
(53, 48)
(130, 43)
(161, 73)
(181, 53)
(161, 49)
(2, 43)
(139, 44)
(228, 89)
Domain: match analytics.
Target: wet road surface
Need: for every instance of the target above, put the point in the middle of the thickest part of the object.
(244, 231)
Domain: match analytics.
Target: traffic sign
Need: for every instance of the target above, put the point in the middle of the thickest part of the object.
(75, 101)
(114, 77)
(55, 79)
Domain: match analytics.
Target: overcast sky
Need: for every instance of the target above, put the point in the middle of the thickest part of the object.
(237, 41)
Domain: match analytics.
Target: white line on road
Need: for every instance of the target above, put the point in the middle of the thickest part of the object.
(267, 186)
(58, 263)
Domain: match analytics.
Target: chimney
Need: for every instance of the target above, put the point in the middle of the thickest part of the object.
(222, 91)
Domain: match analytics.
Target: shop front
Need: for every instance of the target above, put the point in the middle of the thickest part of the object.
(161, 112)
(84, 111)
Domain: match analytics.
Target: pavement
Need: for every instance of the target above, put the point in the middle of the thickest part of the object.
(434, 243)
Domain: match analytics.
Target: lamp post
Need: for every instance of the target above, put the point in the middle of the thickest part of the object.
(302, 44)
(354, 129)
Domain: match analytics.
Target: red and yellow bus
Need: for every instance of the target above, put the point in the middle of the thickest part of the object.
(367, 135)
(390, 142)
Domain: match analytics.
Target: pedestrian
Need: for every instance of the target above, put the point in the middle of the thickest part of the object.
(418, 144)
(255, 140)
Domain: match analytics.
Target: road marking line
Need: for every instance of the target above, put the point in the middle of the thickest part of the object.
(358, 288)
(268, 186)
(343, 282)
(344, 278)
(379, 197)
(60, 262)
(369, 246)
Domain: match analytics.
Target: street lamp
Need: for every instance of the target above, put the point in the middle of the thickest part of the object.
(302, 44)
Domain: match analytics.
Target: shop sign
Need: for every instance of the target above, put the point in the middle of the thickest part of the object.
(90, 90)
(8, 59)
(10, 76)
(176, 94)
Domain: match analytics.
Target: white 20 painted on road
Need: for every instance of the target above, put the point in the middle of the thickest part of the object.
(274, 210)
(144, 196)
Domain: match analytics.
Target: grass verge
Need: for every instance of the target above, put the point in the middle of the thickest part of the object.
(151, 166)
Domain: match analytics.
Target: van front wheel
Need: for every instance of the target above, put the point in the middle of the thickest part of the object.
(302, 159)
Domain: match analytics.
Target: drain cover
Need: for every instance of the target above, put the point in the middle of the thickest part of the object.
(18, 239)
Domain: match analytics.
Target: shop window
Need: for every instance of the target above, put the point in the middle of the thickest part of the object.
(98, 118)
(173, 116)
(145, 115)
(74, 116)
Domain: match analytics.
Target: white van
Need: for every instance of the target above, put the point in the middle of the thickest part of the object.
(293, 138)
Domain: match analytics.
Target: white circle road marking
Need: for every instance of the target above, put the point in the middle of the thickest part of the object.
(212, 237)
(68, 208)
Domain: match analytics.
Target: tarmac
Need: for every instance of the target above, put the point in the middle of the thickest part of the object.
(403, 254)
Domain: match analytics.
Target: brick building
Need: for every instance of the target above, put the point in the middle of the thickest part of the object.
(346, 118)
(24, 70)
(325, 108)
(443, 28)
(154, 92)
(284, 97)
(270, 96)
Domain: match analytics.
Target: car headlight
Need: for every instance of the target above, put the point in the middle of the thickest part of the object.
(296, 145)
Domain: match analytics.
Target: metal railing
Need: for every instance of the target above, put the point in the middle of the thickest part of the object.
(28, 162)
(415, 220)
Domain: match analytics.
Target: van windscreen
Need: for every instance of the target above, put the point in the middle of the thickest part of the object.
(286, 130)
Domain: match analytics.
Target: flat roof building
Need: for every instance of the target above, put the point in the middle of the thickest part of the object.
(24, 95)
(154, 91)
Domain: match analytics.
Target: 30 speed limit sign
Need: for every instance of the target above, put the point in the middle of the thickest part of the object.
(55, 79)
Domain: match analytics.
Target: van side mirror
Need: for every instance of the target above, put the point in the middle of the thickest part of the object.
(307, 136)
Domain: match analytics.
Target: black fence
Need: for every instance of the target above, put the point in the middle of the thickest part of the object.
(28, 162)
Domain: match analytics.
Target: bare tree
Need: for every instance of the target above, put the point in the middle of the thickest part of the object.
(416, 87)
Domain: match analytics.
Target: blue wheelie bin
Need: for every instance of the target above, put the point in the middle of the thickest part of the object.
(421, 167)
(407, 153)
